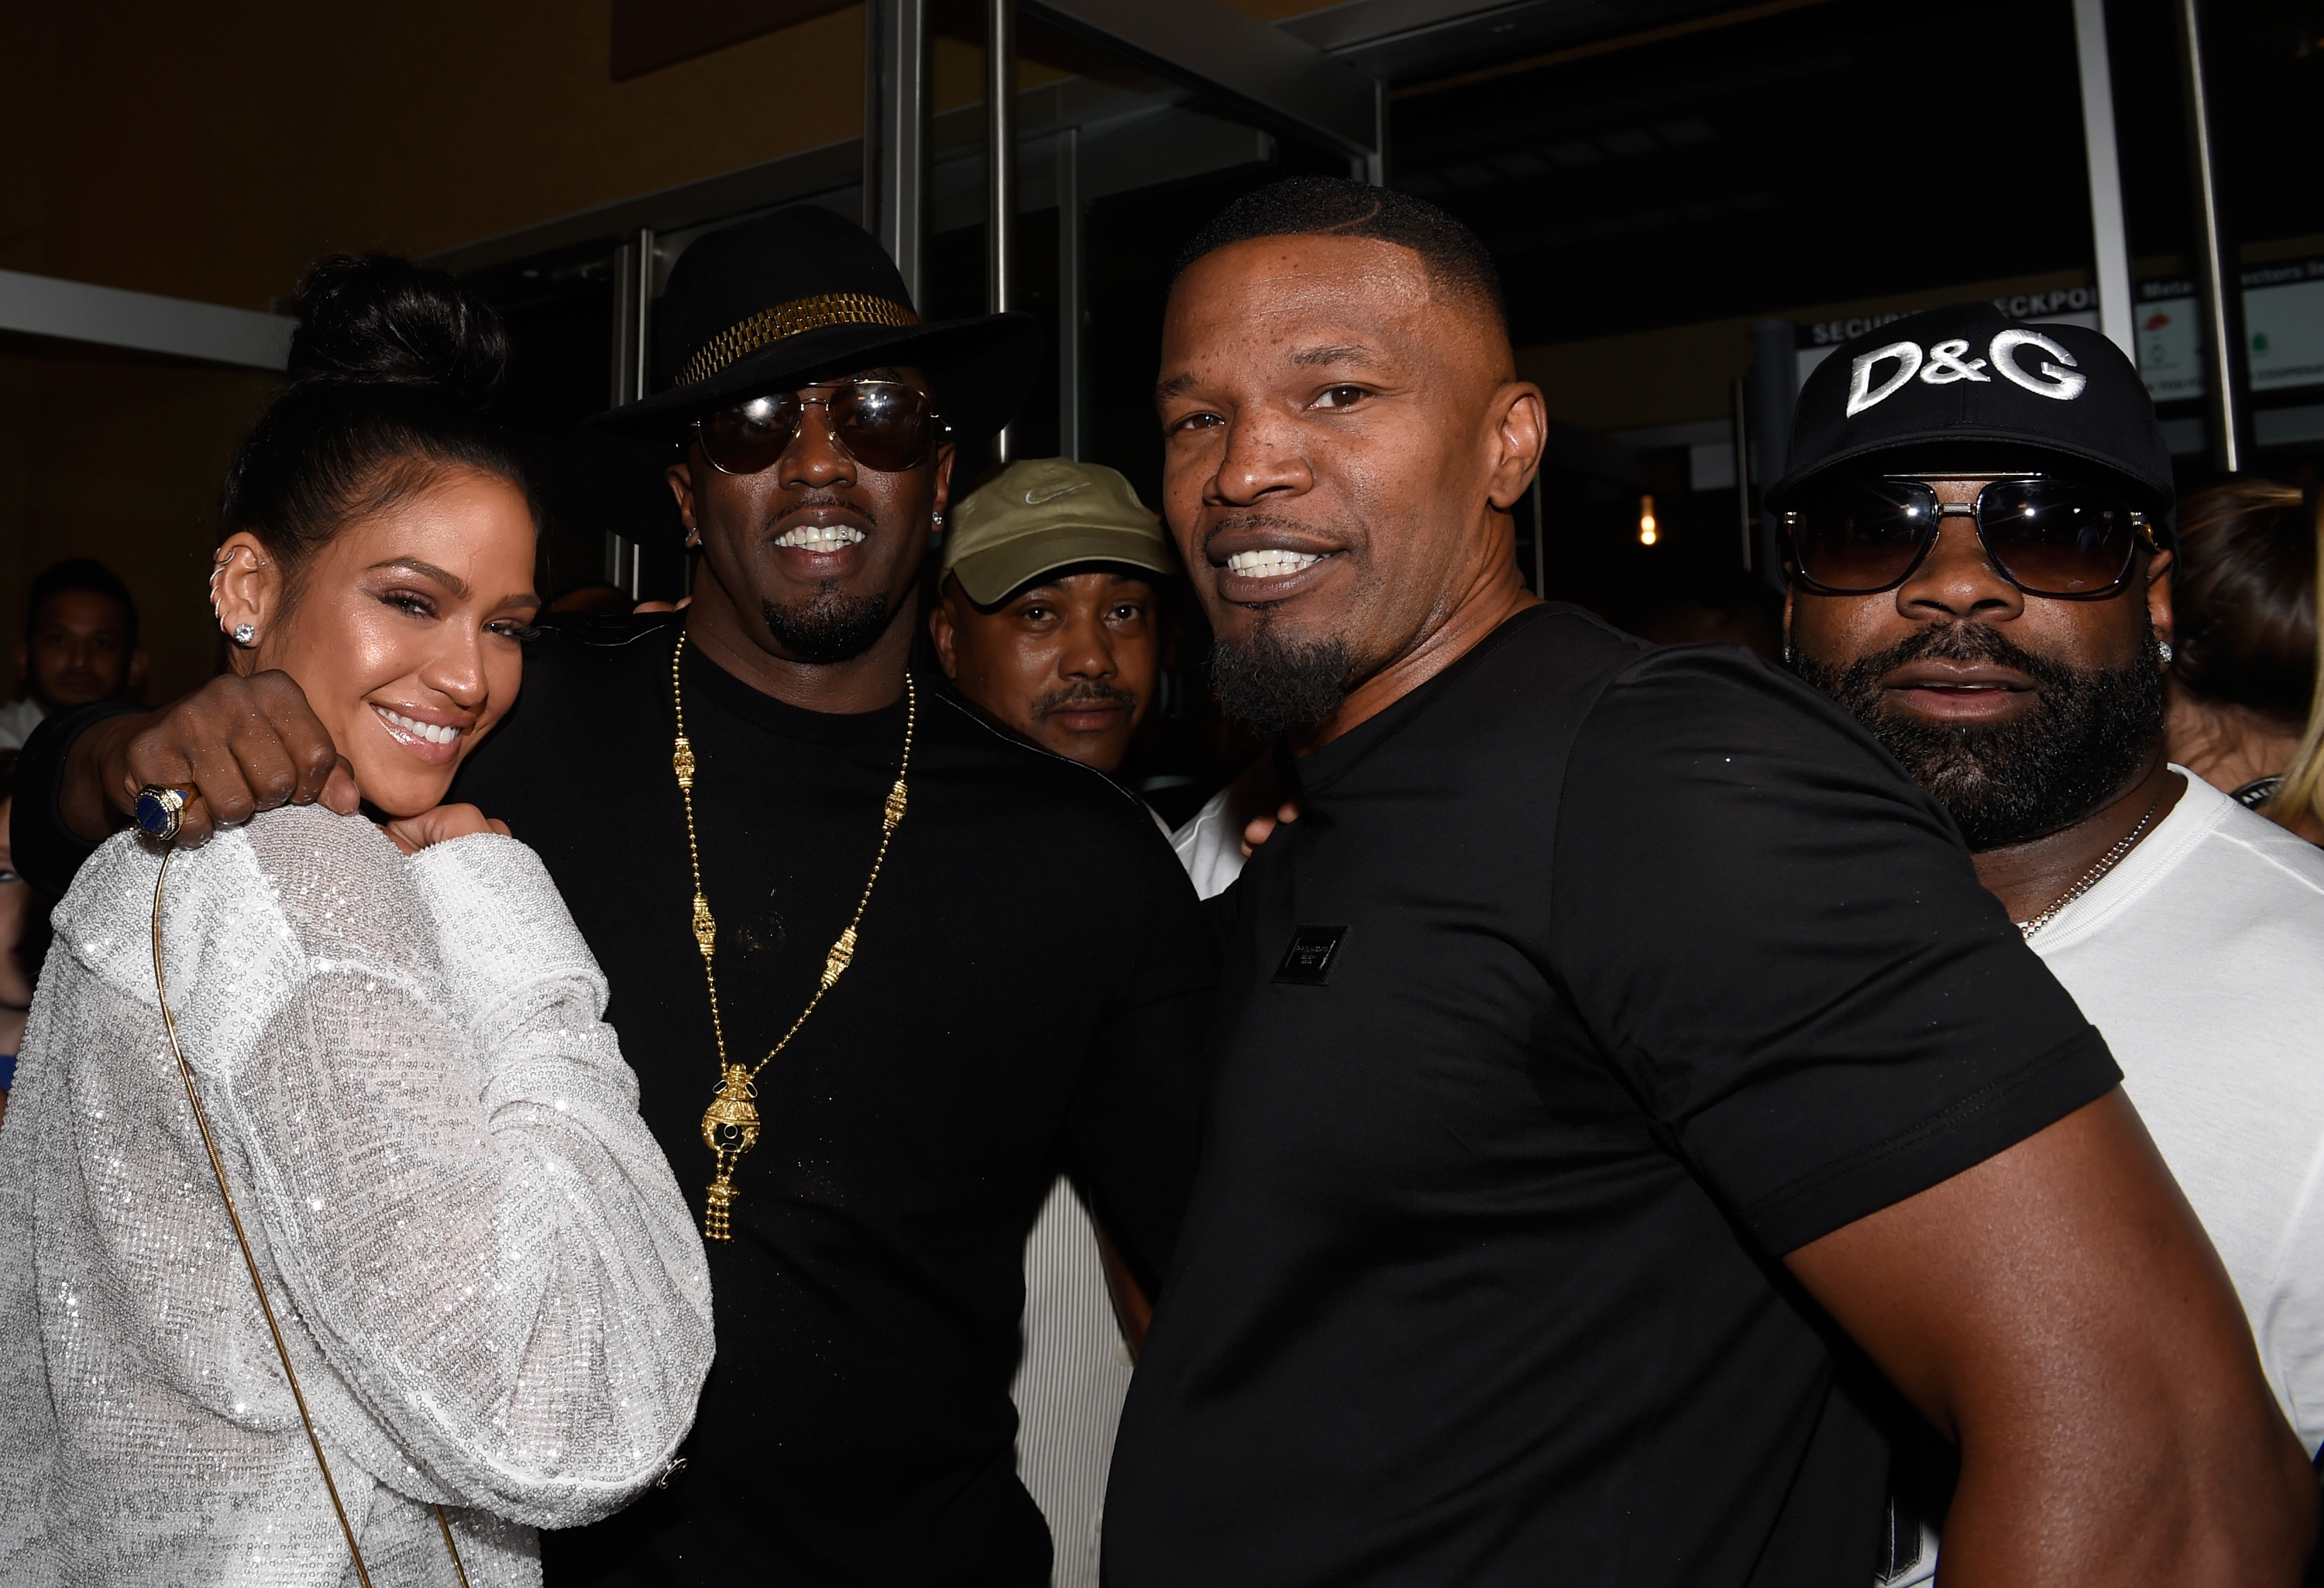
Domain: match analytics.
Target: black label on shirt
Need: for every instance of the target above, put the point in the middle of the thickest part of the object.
(1307, 963)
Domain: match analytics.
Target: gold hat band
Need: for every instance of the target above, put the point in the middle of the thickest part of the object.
(789, 319)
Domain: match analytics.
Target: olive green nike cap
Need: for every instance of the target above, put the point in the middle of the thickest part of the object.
(1046, 514)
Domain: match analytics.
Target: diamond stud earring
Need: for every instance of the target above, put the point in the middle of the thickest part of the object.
(243, 633)
(2164, 646)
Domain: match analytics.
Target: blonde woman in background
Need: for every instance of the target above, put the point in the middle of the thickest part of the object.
(2245, 710)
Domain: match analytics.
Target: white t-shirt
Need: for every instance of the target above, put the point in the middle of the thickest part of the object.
(2201, 959)
(1210, 846)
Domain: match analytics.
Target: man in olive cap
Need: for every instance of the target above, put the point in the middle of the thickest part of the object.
(1045, 621)
(1045, 610)
(777, 843)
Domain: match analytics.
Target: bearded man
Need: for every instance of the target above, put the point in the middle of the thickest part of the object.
(1614, 1037)
(802, 871)
(1979, 574)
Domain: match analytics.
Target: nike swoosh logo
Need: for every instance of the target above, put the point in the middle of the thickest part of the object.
(1035, 497)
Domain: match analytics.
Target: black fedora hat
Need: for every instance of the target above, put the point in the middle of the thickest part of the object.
(800, 295)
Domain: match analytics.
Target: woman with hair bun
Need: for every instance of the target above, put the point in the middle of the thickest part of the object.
(2243, 708)
(332, 1247)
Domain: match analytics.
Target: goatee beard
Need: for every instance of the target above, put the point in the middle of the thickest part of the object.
(2009, 782)
(1274, 685)
(832, 626)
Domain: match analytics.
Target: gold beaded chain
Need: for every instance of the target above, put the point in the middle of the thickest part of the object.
(730, 1127)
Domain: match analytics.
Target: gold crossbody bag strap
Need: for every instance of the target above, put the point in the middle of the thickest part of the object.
(217, 1168)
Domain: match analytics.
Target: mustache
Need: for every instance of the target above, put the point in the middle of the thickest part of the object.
(1085, 694)
(785, 506)
(1970, 643)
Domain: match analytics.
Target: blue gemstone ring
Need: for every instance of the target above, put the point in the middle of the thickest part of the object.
(161, 811)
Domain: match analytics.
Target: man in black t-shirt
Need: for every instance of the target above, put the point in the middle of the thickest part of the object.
(864, 848)
(1614, 1030)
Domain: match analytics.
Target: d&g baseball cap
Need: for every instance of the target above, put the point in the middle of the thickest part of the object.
(1043, 514)
(1966, 380)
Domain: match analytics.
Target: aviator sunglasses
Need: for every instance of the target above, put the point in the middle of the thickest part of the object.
(2047, 536)
(883, 425)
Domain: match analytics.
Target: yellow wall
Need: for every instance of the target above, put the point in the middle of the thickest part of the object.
(212, 152)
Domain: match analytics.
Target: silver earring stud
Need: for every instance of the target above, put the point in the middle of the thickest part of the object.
(243, 633)
(2165, 647)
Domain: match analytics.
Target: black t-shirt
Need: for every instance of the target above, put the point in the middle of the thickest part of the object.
(1592, 979)
(1030, 992)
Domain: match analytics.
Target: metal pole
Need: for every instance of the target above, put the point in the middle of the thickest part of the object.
(999, 170)
(1375, 163)
(1773, 393)
(632, 372)
(1743, 473)
(2217, 279)
(1540, 535)
(1069, 293)
(2099, 151)
(896, 132)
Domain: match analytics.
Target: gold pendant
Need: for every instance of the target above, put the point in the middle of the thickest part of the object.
(730, 1127)
(715, 1224)
(842, 955)
(706, 930)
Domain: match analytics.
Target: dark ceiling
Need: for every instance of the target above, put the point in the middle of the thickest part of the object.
(1409, 41)
(1838, 150)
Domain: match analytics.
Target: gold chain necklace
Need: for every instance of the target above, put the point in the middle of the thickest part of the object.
(2107, 862)
(730, 1126)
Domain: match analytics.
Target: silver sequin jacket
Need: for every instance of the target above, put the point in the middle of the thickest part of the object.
(491, 1288)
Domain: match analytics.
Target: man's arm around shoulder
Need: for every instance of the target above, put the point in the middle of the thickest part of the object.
(238, 744)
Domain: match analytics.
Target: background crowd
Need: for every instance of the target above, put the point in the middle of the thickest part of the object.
(1558, 931)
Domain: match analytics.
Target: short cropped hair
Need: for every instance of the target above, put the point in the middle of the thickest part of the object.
(79, 573)
(1313, 207)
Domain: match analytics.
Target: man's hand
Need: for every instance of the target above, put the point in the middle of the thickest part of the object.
(240, 745)
(414, 834)
(2058, 1312)
(1259, 828)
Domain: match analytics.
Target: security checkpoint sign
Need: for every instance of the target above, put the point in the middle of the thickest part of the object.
(2283, 317)
(2285, 323)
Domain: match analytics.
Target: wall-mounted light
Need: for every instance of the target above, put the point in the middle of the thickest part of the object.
(1648, 533)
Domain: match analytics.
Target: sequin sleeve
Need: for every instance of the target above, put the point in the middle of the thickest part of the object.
(471, 1221)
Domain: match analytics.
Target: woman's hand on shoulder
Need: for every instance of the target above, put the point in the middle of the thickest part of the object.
(414, 834)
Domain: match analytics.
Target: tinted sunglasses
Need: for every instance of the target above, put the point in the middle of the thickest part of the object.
(2046, 536)
(883, 425)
